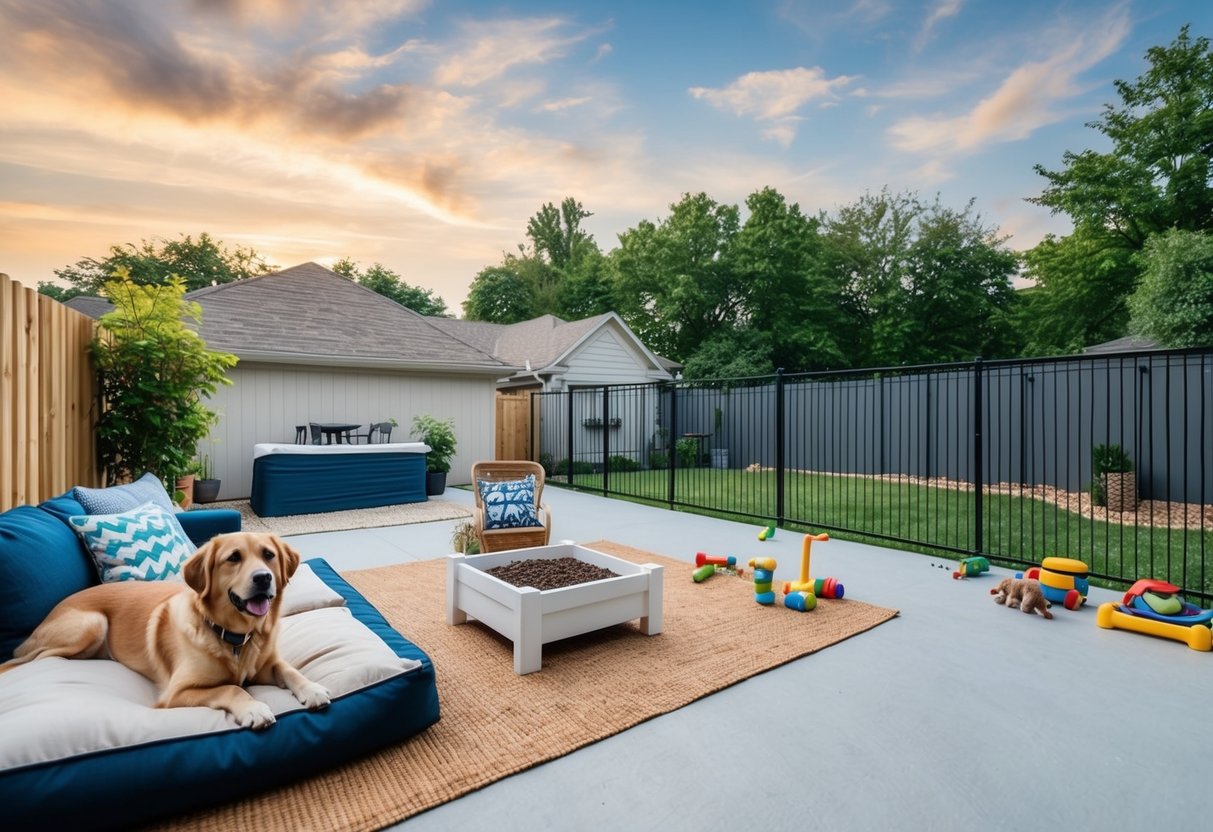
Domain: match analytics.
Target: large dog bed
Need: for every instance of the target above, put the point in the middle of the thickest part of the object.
(81, 745)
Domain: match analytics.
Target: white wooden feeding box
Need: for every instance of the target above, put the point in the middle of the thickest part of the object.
(532, 618)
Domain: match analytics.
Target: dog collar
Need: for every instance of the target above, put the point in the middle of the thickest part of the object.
(235, 640)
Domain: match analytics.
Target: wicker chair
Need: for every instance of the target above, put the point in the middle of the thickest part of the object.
(497, 540)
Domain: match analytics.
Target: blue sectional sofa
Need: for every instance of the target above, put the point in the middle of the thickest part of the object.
(81, 746)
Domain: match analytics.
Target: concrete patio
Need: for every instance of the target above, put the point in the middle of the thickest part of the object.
(958, 714)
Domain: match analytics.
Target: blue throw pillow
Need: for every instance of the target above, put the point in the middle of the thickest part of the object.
(146, 544)
(509, 504)
(116, 498)
(42, 564)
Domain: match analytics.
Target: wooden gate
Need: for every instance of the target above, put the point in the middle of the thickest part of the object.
(514, 429)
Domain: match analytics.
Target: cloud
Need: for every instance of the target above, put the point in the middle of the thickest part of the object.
(491, 49)
(942, 10)
(562, 104)
(1024, 101)
(774, 95)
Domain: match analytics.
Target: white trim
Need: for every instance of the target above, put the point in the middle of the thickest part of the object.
(267, 448)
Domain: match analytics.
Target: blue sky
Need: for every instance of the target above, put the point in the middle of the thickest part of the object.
(423, 135)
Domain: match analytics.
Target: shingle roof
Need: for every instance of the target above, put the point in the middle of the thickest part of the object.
(313, 314)
(1130, 343)
(542, 341)
(88, 305)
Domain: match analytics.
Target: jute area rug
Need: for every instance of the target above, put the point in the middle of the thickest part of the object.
(495, 723)
(337, 521)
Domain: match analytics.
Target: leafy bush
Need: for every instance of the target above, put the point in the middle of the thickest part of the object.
(621, 463)
(580, 466)
(1112, 459)
(687, 450)
(658, 460)
(154, 372)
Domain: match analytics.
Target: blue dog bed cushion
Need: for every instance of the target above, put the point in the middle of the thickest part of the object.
(75, 729)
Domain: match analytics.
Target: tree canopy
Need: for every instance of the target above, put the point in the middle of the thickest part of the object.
(379, 278)
(1155, 177)
(201, 262)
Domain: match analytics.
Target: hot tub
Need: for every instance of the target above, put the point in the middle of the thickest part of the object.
(308, 479)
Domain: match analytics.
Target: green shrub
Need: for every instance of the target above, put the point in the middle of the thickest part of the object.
(620, 463)
(439, 434)
(658, 460)
(154, 372)
(687, 450)
(1110, 459)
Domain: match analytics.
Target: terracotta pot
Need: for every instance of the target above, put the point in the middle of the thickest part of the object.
(186, 486)
(1120, 490)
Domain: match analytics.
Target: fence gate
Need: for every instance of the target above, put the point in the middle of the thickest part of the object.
(513, 425)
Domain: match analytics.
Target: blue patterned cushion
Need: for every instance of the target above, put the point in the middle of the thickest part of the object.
(509, 504)
(118, 498)
(145, 544)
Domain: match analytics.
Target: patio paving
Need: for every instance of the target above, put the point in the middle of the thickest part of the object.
(958, 714)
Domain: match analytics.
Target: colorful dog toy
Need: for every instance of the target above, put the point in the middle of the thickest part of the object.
(821, 587)
(703, 573)
(716, 560)
(767, 533)
(1156, 608)
(971, 568)
(1063, 581)
(800, 601)
(764, 574)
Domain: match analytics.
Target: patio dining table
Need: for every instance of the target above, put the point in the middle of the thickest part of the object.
(335, 429)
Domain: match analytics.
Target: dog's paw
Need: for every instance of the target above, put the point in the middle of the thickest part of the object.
(314, 697)
(256, 715)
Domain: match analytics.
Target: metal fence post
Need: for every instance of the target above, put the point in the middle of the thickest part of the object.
(779, 448)
(978, 472)
(606, 439)
(672, 444)
(569, 395)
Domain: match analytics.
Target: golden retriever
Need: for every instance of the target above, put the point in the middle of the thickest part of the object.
(200, 641)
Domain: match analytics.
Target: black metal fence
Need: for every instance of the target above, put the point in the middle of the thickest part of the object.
(993, 458)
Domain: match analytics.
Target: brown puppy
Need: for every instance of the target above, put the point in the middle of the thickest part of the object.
(1023, 593)
(200, 641)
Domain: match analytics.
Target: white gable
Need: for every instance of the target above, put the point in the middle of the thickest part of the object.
(607, 358)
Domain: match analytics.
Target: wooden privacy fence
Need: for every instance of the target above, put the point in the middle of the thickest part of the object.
(47, 395)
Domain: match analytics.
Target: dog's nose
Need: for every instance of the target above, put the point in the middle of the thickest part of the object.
(263, 580)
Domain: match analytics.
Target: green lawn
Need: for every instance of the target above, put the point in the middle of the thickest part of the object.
(1017, 531)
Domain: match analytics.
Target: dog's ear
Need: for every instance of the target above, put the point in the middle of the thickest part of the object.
(197, 570)
(290, 558)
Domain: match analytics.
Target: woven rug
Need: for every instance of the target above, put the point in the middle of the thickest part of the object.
(495, 723)
(337, 521)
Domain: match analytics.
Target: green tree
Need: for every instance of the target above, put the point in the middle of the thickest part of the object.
(674, 280)
(199, 263)
(731, 353)
(921, 283)
(1173, 303)
(154, 372)
(501, 295)
(382, 280)
(789, 297)
(1081, 283)
(1155, 177)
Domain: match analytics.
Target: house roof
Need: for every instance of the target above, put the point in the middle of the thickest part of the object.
(89, 305)
(1130, 343)
(311, 314)
(542, 342)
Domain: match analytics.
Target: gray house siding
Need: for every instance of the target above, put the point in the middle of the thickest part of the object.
(266, 401)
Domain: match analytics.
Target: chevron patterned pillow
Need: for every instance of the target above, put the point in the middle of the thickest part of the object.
(143, 544)
(509, 504)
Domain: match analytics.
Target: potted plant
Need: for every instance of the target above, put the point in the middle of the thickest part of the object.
(464, 540)
(154, 372)
(439, 434)
(206, 488)
(1116, 484)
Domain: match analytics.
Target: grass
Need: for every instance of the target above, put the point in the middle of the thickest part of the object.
(1016, 531)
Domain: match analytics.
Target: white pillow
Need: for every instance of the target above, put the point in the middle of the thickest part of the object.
(306, 592)
(143, 544)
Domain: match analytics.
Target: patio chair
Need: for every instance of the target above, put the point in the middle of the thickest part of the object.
(504, 537)
(300, 434)
(315, 431)
(382, 430)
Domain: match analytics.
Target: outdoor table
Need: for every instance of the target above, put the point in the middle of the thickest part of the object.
(338, 429)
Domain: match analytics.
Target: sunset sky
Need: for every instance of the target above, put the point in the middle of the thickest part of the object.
(423, 135)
